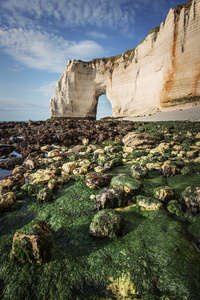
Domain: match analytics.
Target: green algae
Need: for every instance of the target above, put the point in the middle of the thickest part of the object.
(159, 252)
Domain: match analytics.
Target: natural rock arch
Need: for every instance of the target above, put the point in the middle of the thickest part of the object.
(163, 71)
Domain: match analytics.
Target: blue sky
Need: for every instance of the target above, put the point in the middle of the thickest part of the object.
(38, 37)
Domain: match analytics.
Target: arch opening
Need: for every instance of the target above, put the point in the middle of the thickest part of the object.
(104, 107)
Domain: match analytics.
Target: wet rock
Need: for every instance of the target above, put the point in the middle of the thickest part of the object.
(12, 162)
(107, 223)
(69, 167)
(138, 172)
(45, 195)
(127, 183)
(97, 180)
(161, 148)
(52, 184)
(18, 170)
(175, 208)
(153, 166)
(99, 169)
(169, 169)
(191, 198)
(32, 163)
(8, 182)
(148, 203)
(31, 244)
(111, 198)
(139, 140)
(7, 200)
(163, 193)
(53, 153)
(192, 154)
(41, 176)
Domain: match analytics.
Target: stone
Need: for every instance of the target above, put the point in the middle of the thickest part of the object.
(169, 169)
(138, 172)
(139, 140)
(32, 163)
(18, 170)
(53, 153)
(97, 180)
(175, 208)
(148, 203)
(163, 193)
(12, 162)
(161, 148)
(128, 80)
(41, 176)
(69, 167)
(31, 244)
(45, 195)
(191, 198)
(6, 201)
(107, 223)
(110, 198)
(127, 183)
(8, 182)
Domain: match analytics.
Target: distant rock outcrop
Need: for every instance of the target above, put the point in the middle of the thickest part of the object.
(163, 71)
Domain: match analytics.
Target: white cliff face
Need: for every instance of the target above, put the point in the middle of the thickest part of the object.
(163, 71)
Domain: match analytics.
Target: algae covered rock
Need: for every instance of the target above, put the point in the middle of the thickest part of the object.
(169, 169)
(175, 208)
(7, 200)
(163, 193)
(31, 243)
(148, 203)
(45, 195)
(129, 184)
(107, 223)
(97, 180)
(110, 198)
(138, 171)
(191, 198)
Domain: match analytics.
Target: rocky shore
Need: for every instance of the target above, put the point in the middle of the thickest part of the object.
(103, 209)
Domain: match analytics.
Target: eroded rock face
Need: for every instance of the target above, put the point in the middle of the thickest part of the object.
(159, 73)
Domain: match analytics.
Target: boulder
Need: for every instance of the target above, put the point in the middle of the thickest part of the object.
(8, 182)
(127, 183)
(148, 203)
(97, 180)
(163, 193)
(138, 172)
(69, 167)
(139, 140)
(191, 198)
(107, 223)
(45, 195)
(31, 243)
(6, 201)
(111, 198)
(41, 176)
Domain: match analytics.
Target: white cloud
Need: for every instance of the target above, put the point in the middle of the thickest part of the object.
(101, 13)
(48, 89)
(97, 35)
(12, 104)
(44, 51)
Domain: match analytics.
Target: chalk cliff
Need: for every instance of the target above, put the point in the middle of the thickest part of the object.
(163, 71)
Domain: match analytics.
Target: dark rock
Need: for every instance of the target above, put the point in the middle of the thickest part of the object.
(111, 198)
(163, 193)
(107, 223)
(31, 243)
(97, 180)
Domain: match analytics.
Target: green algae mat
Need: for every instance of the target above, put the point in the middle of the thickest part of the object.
(158, 257)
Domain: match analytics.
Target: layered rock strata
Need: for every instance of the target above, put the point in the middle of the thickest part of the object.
(160, 73)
